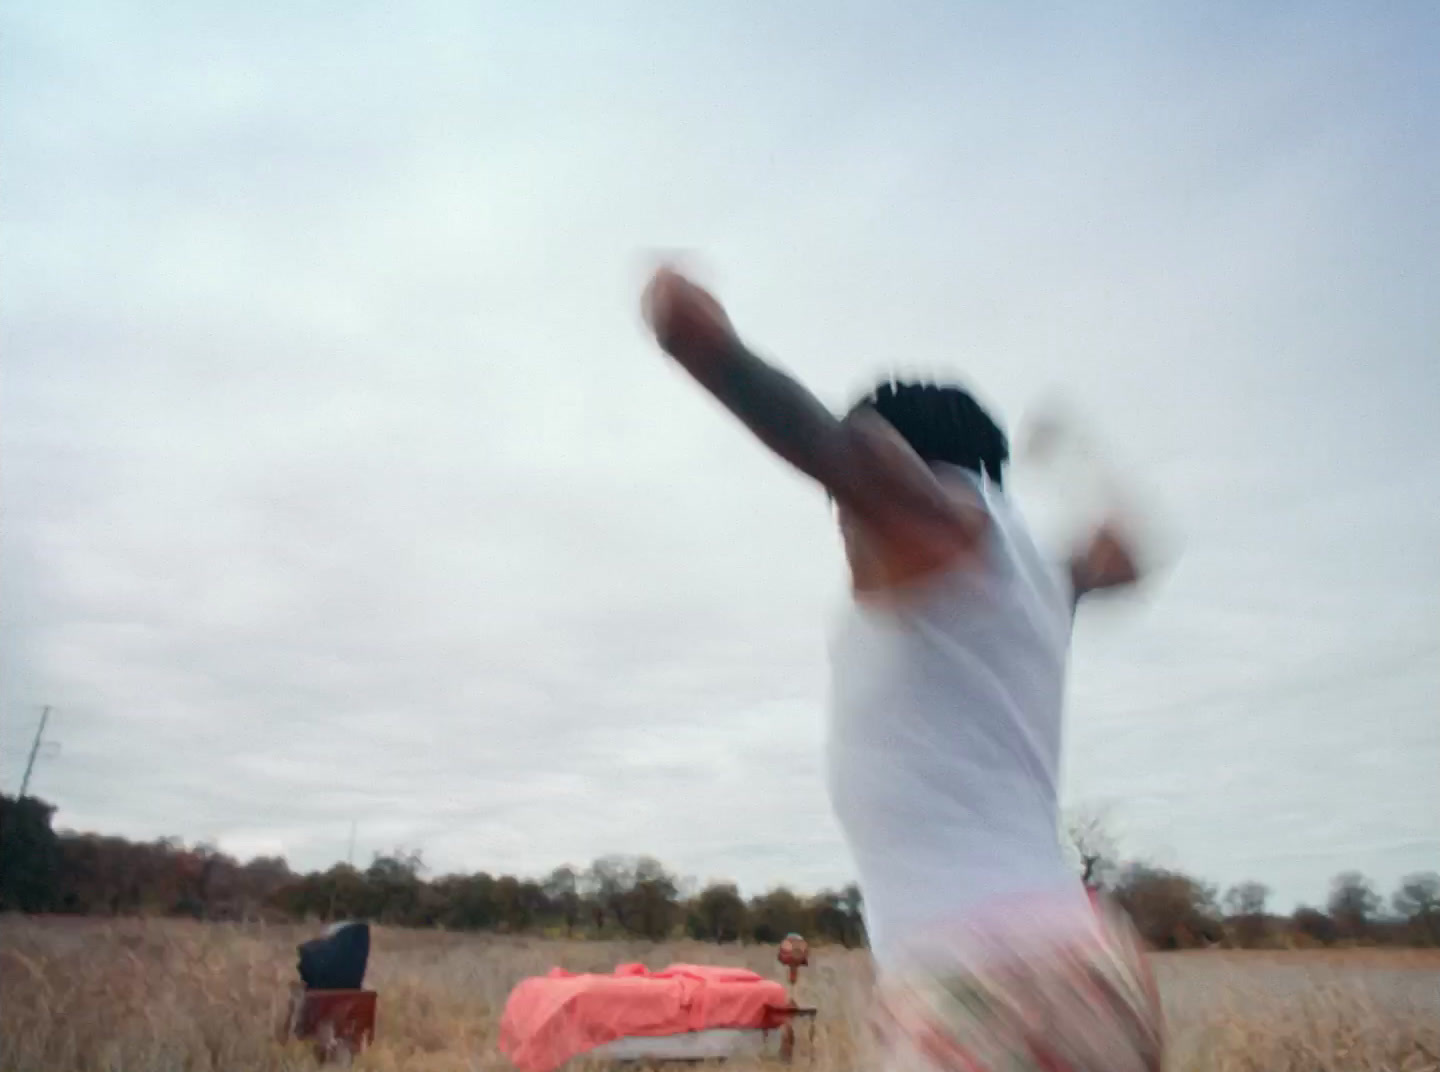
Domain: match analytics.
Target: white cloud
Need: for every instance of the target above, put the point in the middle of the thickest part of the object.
(340, 484)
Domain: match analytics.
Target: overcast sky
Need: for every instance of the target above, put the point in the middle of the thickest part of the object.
(341, 484)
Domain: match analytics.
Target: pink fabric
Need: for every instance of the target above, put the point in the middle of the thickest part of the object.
(550, 1019)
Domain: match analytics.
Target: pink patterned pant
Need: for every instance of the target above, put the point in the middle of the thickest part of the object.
(1084, 1006)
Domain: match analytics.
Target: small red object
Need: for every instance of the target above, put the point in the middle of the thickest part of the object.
(794, 954)
(337, 1020)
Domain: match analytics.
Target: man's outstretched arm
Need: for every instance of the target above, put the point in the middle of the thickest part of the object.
(862, 461)
(1108, 562)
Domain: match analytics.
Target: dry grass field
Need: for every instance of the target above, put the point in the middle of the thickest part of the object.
(138, 996)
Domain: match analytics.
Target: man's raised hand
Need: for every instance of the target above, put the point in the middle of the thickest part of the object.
(689, 324)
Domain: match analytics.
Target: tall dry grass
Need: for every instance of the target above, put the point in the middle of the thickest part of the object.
(146, 996)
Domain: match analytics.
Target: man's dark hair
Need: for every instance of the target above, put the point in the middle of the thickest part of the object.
(942, 423)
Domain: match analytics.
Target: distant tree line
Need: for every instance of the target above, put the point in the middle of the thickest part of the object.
(1173, 910)
(42, 871)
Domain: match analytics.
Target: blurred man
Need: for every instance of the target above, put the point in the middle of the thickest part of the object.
(947, 686)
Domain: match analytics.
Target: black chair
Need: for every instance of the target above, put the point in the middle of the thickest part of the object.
(337, 960)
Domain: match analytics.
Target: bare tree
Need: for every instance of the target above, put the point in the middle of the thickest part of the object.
(718, 914)
(1353, 903)
(1418, 900)
(562, 890)
(650, 906)
(1247, 899)
(1088, 831)
(605, 886)
(1246, 904)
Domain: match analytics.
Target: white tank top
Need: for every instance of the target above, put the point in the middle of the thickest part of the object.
(944, 745)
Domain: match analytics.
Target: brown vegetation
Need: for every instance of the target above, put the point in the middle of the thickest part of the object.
(630, 897)
(88, 995)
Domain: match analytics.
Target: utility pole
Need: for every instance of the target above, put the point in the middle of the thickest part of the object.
(349, 859)
(34, 751)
